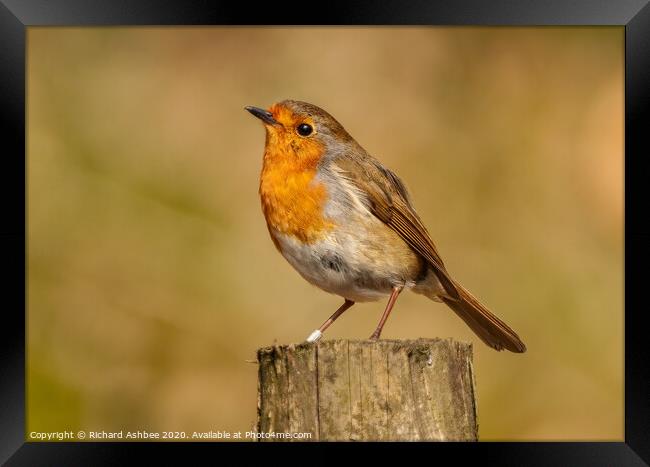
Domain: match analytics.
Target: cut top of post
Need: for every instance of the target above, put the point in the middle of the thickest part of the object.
(391, 390)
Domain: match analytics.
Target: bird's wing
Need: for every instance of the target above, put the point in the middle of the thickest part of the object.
(387, 198)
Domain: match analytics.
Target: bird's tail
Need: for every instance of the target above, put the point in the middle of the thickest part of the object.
(486, 325)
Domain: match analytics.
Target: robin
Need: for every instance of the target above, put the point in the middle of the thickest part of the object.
(347, 224)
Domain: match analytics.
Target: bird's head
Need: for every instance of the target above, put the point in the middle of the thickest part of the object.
(300, 131)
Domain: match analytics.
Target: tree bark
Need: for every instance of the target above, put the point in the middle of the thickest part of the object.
(388, 390)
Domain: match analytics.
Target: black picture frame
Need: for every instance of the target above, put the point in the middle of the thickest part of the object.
(17, 15)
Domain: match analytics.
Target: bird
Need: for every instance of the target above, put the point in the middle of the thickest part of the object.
(347, 224)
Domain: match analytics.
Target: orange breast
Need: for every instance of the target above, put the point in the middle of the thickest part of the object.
(292, 201)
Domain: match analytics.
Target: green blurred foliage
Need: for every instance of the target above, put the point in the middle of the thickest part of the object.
(151, 277)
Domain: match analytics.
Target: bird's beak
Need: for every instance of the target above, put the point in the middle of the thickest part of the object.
(264, 115)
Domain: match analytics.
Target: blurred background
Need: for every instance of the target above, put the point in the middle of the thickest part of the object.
(152, 279)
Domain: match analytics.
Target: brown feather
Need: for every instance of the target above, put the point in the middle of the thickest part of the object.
(488, 327)
(388, 199)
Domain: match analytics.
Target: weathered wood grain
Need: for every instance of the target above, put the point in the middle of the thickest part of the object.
(388, 390)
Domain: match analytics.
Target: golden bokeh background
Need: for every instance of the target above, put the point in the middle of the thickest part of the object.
(151, 277)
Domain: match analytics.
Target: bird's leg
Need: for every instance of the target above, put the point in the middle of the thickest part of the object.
(318, 333)
(389, 307)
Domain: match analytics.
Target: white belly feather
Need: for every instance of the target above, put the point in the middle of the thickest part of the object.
(330, 266)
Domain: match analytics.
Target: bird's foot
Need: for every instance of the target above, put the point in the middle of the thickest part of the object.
(315, 336)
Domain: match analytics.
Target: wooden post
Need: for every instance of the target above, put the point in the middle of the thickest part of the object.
(388, 390)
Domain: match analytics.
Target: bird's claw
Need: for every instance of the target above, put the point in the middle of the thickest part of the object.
(315, 336)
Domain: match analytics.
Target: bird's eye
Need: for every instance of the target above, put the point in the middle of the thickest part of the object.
(304, 129)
